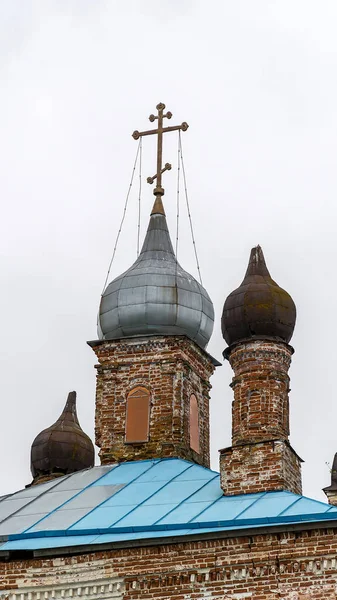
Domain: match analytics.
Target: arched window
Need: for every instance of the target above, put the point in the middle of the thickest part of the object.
(137, 415)
(194, 424)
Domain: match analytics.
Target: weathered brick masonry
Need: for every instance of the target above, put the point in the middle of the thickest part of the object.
(261, 457)
(152, 401)
(294, 565)
(261, 387)
(171, 368)
(261, 467)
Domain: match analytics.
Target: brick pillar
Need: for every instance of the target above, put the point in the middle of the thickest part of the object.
(261, 457)
(171, 369)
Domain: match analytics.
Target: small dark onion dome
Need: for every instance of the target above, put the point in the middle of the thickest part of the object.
(259, 308)
(62, 448)
(333, 486)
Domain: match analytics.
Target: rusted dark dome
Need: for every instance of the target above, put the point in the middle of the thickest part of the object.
(62, 448)
(259, 308)
(333, 486)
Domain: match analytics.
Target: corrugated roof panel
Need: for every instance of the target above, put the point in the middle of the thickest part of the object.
(59, 520)
(47, 502)
(126, 472)
(18, 524)
(269, 505)
(93, 496)
(174, 492)
(140, 491)
(10, 506)
(184, 513)
(102, 517)
(226, 508)
(305, 505)
(36, 490)
(81, 479)
(207, 493)
(197, 472)
(145, 499)
(4, 497)
(165, 470)
(145, 515)
(44, 510)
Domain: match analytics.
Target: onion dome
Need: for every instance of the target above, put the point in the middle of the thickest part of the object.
(332, 489)
(62, 448)
(259, 308)
(155, 296)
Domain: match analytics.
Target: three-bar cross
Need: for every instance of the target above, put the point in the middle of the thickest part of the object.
(159, 190)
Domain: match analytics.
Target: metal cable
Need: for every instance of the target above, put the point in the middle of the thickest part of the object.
(139, 192)
(178, 197)
(123, 217)
(188, 208)
(178, 210)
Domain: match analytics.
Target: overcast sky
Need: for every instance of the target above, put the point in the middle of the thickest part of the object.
(256, 81)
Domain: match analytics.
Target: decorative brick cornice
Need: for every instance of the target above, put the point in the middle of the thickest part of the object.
(253, 354)
(146, 346)
(90, 590)
(247, 571)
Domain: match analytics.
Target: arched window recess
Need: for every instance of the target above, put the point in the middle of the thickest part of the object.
(137, 415)
(194, 424)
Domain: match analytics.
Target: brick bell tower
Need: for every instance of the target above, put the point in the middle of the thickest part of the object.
(155, 320)
(258, 321)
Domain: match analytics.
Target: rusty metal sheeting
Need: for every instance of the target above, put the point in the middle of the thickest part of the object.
(62, 448)
(259, 308)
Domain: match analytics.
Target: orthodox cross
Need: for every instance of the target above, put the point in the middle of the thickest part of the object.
(159, 191)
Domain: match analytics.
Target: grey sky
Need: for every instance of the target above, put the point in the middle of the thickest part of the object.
(256, 81)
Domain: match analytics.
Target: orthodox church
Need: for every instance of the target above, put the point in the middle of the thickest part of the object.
(152, 520)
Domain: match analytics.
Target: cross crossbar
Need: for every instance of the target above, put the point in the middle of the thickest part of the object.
(159, 190)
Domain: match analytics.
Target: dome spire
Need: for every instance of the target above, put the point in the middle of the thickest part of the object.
(259, 308)
(63, 447)
(257, 264)
(155, 296)
(158, 207)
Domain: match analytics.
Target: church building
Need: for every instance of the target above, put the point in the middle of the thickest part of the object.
(152, 521)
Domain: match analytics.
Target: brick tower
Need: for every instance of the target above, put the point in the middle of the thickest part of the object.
(257, 323)
(152, 394)
(155, 320)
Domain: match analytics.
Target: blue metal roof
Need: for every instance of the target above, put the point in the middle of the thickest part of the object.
(141, 500)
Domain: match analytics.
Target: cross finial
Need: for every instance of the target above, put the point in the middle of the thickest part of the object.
(159, 190)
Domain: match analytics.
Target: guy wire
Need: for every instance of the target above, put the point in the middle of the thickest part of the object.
(123, 217)
(139, 192)
(188, 208)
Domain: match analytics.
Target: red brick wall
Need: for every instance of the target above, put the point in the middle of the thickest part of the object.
(261, 458)
(276, 566)
(261, 467)
(171, 368)
(261, 386)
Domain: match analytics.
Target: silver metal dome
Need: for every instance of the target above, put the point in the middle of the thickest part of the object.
(156, 296)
